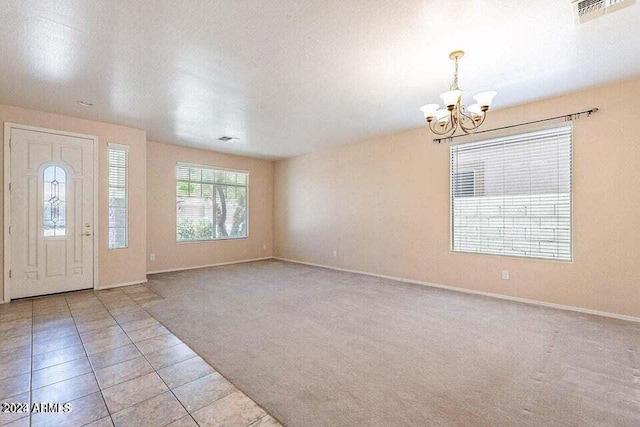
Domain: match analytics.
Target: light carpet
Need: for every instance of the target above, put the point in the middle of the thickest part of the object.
(318, 347)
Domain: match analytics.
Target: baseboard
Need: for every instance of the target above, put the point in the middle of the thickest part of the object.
(119, 285)
(208, 265)
(471, 291)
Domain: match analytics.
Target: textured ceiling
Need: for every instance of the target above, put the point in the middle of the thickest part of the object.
(290, 76)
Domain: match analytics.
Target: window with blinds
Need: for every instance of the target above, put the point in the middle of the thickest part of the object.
(211, 204)
(512, 196)
(118, 158)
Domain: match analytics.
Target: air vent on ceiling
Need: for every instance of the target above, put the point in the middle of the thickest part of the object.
(226, 138)
(586, 10)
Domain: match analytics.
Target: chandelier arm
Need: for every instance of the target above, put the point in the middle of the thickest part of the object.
(476, 124)
(455, 115)
(452, 124)
(443, 132)
(449, 128)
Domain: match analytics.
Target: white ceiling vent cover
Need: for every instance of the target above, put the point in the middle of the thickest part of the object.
(586, 10)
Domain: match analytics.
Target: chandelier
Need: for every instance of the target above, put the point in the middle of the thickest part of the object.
(454, 115)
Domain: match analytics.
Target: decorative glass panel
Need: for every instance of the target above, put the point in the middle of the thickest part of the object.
(55, 206)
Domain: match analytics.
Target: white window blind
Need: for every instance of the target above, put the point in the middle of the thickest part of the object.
(211, 204)
(512, 196)
(118, 157)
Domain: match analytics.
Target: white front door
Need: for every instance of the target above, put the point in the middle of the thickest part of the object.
(51, 213)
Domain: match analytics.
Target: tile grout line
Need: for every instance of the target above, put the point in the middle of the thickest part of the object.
(154, 369)
(89, 361)
(262, 417)
(31, 344)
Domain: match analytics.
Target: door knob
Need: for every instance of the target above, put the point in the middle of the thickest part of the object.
(86, 233)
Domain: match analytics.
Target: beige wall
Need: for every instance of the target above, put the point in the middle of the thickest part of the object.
(115, 266)
(338, 199)
(161, 212)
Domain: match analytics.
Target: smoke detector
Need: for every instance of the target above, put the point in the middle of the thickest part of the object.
(586, 10)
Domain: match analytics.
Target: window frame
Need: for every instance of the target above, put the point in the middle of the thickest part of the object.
(213, 168)
(125, 149)
(549, 128)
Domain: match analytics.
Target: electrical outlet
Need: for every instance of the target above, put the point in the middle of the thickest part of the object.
(264, 246)
(152, 257)
(505, 274)
(335, 253)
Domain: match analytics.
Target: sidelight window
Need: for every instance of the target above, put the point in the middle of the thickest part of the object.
(118, 196)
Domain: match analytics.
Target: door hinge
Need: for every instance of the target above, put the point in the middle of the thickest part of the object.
(9, 274)
(10, 187)
(9, 230)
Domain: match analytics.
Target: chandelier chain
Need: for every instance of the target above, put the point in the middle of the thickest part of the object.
(454, 84)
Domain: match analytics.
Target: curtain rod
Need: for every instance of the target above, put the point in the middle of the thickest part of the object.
(566, 117)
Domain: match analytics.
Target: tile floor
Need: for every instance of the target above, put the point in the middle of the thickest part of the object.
(115, 365)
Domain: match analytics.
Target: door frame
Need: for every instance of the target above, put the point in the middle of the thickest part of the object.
(7, 199)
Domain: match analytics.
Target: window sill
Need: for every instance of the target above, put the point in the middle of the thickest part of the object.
(180, 242)
(554, 260)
